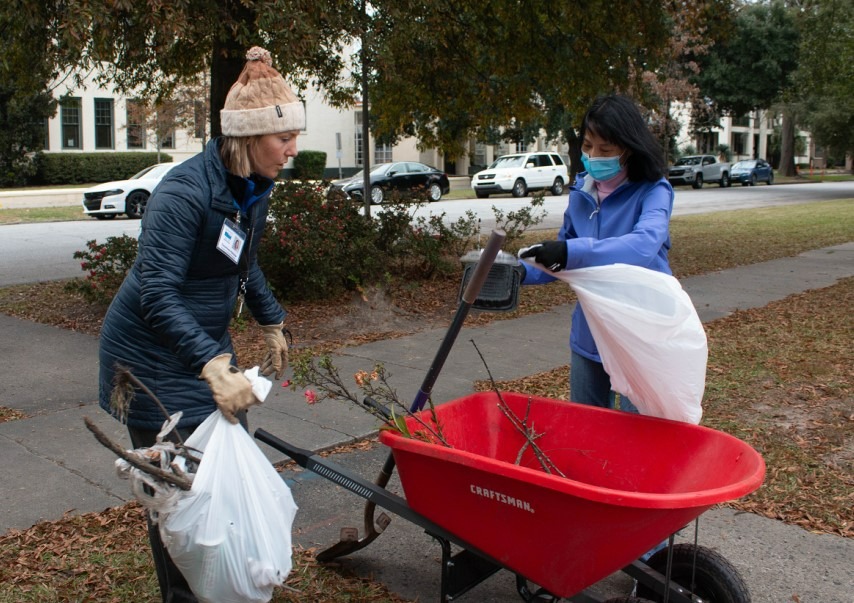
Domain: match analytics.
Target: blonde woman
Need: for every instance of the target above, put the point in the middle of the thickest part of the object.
(197, 261)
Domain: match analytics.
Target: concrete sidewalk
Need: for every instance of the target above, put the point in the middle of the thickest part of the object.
(52, 464)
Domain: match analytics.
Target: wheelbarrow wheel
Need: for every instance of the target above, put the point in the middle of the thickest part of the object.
(628, 600)
(715, 579)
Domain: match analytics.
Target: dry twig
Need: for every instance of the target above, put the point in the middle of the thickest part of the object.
(136, 460)
(521, 425)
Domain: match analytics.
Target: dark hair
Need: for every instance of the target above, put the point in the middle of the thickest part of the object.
(617, 119)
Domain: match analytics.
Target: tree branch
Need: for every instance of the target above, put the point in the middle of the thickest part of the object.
(136, 460)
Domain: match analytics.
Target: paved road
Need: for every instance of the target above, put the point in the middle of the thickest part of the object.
(688, 201)
(40, 252)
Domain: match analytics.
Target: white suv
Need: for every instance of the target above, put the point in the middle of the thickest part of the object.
(521, 172)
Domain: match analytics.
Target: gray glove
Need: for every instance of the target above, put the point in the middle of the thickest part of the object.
(231, 390)
(276, 360)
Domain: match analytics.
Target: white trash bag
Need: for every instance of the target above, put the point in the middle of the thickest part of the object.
(650, 339)
(231, 536)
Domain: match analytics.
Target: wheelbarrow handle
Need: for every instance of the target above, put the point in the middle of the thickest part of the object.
(484, 264)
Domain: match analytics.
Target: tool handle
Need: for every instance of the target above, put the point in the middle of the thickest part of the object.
(484, 264)
(377, 407)
(479, 274)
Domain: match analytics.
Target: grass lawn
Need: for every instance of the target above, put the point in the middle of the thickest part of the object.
(43, 214)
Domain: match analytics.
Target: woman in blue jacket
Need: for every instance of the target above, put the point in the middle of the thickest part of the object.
(196, 263)
(619, 212)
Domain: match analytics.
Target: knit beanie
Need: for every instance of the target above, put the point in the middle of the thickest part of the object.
(260, 101)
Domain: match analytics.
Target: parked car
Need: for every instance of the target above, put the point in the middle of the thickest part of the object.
(521, 172)
(402, 176)
(697, 169)
(752, 171)
(110, 199)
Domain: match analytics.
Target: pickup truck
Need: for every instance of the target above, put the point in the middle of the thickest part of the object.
(697, 169)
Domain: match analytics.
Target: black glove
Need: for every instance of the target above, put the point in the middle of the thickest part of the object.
(551, 254)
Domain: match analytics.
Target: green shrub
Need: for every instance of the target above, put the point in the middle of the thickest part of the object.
(107, 264)
(18, 171)
(515, 223)
(317, 247)
(313, 248)
(82, 168)
(309, 165)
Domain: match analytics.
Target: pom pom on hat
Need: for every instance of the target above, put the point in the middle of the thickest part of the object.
(260, 101)
(256, 53)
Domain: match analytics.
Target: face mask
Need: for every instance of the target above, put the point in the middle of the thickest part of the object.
(601, 168)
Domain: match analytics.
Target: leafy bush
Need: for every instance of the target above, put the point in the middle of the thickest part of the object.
(687, 151)
(725, 152)
(515, 223)
(314, 248)
(107, 265)
(317, 247)
(309, 165)
(82, 168)
(17, 171)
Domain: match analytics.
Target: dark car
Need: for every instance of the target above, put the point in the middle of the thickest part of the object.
(402, 176)
(752, 171)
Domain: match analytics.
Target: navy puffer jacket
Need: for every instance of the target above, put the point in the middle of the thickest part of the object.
(171, 314)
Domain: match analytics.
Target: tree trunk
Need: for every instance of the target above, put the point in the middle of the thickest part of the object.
(227, 60)
(787, 145)
(574, 142)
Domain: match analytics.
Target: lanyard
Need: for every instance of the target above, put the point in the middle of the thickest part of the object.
(243, 262)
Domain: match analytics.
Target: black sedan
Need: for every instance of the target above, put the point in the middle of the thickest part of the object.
(402, 176)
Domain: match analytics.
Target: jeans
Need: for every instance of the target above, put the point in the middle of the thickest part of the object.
(590, 384)
(173, 585)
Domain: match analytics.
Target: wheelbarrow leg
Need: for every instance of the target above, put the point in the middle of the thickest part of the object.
(540, 595)
(349, 540)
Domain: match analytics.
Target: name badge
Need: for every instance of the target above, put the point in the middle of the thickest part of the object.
(231, 240)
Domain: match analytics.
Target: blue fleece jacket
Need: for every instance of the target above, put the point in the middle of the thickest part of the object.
(630, 226)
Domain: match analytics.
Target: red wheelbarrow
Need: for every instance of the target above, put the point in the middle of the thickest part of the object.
(628, 482)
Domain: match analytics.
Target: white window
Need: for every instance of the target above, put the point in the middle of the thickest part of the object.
(135, 124)
(103, 123)
(69, 115)
(382, 153)
(360, 158)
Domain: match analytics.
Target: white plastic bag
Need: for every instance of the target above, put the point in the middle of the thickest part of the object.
(231, 536)
(650, 339)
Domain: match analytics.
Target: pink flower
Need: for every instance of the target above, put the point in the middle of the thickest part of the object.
(310, 396)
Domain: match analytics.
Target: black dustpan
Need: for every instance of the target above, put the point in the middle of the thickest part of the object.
(500, 290)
